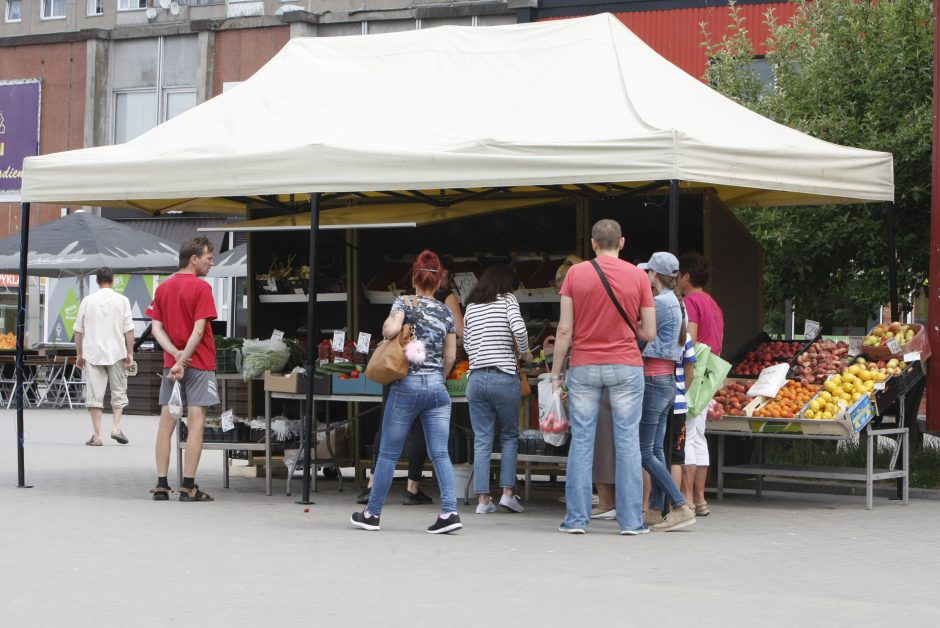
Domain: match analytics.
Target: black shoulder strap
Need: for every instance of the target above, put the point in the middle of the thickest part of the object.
(610, 293)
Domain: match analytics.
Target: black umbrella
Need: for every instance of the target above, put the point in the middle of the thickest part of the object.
(78, 244)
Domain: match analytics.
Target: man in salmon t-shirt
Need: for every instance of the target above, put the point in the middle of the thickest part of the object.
(181, 310)
(706, 325)
(604, 355)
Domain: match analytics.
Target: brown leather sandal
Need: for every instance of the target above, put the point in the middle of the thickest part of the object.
(161, 493)
(194, 495)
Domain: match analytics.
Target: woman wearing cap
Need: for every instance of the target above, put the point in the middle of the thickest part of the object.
(659, 366)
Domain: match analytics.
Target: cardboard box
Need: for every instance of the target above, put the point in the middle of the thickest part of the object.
(285, 382)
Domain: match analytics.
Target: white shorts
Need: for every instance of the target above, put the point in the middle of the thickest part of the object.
(696, 447)
(97, 379)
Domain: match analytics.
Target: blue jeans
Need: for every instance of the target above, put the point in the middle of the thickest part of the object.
(585, 387)
(658, 398)
(416, 395)
(493, 396)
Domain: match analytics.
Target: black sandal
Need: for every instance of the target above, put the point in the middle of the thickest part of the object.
(194, 495)
(161, 493)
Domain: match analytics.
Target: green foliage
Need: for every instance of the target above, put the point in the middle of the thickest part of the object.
(852, 72)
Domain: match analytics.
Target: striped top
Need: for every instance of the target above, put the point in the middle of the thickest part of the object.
(488, 330)
(688, 357)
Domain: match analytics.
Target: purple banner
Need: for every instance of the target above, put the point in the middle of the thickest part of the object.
(19, 130)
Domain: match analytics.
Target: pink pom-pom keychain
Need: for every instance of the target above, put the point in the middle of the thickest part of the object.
(415, 352)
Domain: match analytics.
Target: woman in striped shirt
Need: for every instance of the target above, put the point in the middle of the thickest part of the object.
(492, 326)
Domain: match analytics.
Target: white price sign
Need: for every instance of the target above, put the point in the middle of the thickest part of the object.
(463, 283)
(339, 339)
(227, 423)
(810, 329)
(855, 345)
(362, 345)
(277, 335)
(894, 346)
(912, 357)
(271, 286)
(879, 385)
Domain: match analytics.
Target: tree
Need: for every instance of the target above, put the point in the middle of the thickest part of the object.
(853, 72)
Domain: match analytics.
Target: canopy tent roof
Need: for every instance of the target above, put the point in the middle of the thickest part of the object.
(461, 111)
(80, 243)
(232, 263)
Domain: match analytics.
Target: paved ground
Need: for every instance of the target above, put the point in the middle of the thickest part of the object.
(87, 547)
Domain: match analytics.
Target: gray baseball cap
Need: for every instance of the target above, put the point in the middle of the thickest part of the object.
(662, 262)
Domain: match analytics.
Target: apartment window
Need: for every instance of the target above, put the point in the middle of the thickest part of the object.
(53, 9)
(131, 5)
(14, 10)
(95, 7)
(153, 80)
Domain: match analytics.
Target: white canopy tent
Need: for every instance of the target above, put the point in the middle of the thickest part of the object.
(427, 120)
(564, 102)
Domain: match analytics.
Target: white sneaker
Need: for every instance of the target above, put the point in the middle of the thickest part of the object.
(485, 509)
(512, 503)
(606, 515)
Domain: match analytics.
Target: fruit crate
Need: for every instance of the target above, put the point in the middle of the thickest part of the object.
(457, 387)
(752, 346)
(918, 343)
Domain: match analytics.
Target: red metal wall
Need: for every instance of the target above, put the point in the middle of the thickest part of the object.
(62, 69)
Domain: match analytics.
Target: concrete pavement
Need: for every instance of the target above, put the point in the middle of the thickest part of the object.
(87, 547)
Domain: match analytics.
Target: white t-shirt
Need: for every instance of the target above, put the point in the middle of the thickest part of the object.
(103, 319)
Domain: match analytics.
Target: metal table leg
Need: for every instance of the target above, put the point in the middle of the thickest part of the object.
(267, 443)
(905, 439)
(869, 467)
(225, 468)
(719, 468)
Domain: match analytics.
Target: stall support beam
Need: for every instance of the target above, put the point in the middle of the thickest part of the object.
(20, 339)
(310, 364)
(892, 262)
(933, 277)
(674, 216)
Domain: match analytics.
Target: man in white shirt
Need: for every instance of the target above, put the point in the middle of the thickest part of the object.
(104, 343)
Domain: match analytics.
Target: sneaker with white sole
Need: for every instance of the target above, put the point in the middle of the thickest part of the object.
(567, 530)
(443, 525)
(512, 503)
(485, 509)
(676, 520)
(360, 520)
(606, 515)
(634, 532)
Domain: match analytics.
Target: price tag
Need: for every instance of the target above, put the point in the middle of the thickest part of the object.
(894, 346)
(810, 329)
(340, 360)
(227, 423)
(463, 283)
(855, 345)
(362, 345)
(271, 286)
(277, 335)
(339, 339)
(879, 385)
(912, 357)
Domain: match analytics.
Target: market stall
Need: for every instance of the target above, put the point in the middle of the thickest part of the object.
(502, 118)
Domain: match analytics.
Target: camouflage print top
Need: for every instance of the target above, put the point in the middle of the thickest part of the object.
(434, 322)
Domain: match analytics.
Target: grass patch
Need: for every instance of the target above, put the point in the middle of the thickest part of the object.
(925, 461)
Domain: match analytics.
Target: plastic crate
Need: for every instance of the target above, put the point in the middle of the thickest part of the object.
(225, 361)
(457, 387)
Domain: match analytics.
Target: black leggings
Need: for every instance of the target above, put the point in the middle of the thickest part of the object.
(417, 448)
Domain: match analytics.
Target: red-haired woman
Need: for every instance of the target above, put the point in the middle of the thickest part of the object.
(421, 393)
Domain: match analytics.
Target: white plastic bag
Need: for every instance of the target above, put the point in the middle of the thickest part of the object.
(553, 423)
(175, 405)
(259, 356)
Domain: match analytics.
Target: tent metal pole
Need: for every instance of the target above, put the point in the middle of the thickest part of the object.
(892, 262)
(312, 349)
(20, 338)
(674, 216)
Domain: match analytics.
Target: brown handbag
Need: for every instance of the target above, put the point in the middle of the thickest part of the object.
(388, 362)
(524, 388)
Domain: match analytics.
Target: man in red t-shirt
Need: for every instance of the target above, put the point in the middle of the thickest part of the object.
(181, 310)
(604, 355)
